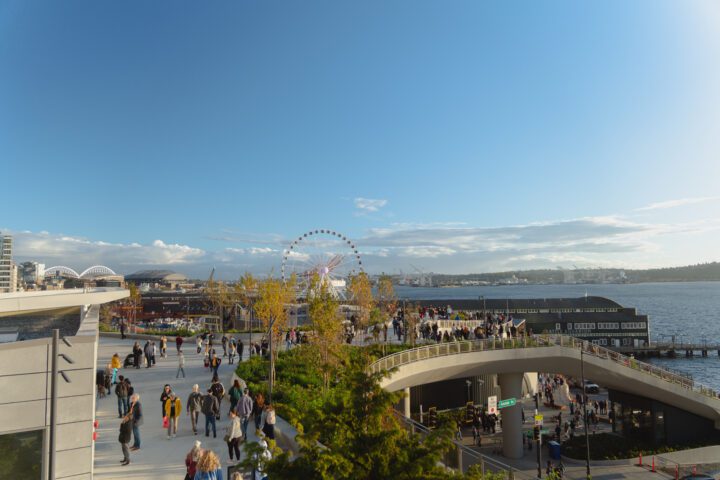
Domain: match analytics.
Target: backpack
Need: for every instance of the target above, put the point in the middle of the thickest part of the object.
(121, 390)
(217, 389)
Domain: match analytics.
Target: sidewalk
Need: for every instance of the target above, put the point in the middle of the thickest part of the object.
(158, 458)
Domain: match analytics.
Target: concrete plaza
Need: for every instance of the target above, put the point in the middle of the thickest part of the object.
(158, 457)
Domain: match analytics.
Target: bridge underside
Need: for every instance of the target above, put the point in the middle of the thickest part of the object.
(510, 364)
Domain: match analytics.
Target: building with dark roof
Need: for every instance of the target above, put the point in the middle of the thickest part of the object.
(596, 319)
(165, 278)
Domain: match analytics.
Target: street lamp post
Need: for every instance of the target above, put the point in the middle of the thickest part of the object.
(585, 415)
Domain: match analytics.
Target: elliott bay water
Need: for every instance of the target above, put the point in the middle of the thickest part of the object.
(688, 310)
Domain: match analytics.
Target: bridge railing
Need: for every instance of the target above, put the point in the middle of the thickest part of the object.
(466, 456)
(537, 341)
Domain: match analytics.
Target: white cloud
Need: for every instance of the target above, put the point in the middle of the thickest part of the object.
(80, 252)
(369, 204)
(679, 202)
(252, 250)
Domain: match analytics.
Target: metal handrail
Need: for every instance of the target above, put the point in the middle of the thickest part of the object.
(486, 463)
(537, 341)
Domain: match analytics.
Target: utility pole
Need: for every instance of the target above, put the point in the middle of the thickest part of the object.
(585, 415)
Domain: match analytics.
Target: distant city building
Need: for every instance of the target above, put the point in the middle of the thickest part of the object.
(8, 274)
(31, 273)
(157, 279)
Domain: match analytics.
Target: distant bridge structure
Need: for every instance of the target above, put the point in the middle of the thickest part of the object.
(88, 273)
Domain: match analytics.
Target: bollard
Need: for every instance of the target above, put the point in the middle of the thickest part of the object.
(677, 472)
(653, 464)
(640, 460)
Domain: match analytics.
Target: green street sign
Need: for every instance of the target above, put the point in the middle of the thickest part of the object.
(507, 403)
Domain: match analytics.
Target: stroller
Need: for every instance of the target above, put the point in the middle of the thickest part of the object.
(129, 361)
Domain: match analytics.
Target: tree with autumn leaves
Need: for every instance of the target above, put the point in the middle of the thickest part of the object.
(271, 306)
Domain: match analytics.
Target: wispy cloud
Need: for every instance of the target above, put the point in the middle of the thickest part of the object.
(679, 202)
(367, 205)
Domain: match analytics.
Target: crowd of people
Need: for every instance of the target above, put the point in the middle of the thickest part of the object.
(240, 407)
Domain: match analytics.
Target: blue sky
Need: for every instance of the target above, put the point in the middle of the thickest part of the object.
(456, 136)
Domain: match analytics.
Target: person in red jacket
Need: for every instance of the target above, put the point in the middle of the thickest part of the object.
(178, 343)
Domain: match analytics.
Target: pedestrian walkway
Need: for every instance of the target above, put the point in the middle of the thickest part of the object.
(158, 457)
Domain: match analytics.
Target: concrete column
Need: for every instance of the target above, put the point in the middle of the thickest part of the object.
(511, 387)
(407, 403)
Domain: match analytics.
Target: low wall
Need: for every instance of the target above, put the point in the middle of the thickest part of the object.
(284, 432)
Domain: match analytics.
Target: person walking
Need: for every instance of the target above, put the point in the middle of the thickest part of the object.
(269, 423)
(231, 351)
(240, 349)
(209, 468)
(153, 351)
(173, 409)
(258, 407)
(122, 330)
(163, 346)
(121, 391)
(181, 364)
(218, 390)
(115, 362)
(215, 362)
(194, 407)
(233, 433)
(244, 409)
(211, 409)
(148, 354)
(199, 342)
(192, 459)
(137, 420)
(178, 343)
(124, 438)
(137, 352)
(164, 396)
(235, 394)
(224, 342)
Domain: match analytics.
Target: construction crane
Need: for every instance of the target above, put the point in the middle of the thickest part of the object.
(424, 280)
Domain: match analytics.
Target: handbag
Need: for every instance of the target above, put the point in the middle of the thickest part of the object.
(166, 422)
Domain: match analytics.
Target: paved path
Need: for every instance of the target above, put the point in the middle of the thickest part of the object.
(158, 458)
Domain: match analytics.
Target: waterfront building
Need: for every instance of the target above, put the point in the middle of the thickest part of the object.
(596, 319)
(8, 274)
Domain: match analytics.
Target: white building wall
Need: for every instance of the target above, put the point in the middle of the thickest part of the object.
(25, 368)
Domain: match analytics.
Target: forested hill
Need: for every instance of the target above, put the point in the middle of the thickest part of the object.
(690, 273)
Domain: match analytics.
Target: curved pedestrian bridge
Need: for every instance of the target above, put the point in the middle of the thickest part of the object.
(510, 358)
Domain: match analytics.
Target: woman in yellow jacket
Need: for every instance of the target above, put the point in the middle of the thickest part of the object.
(173, 409)
(115, 361)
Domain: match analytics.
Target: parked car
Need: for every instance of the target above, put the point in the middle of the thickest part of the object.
(591, 387)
